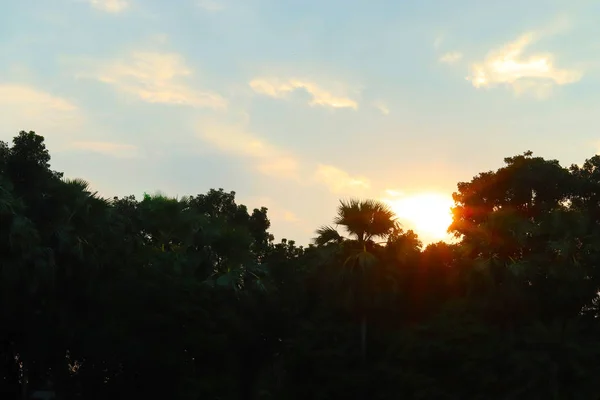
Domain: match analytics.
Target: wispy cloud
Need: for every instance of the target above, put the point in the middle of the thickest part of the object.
(534, 74)
(237, 140)
(111, 6)
(26, 95)
(437, 42)
(393, 192)
(277, 213)
(119, 150)
(290, 216)
(23, 102)
(451, 57)
(159, 38)
(320, 97)
(211, 5)
(340, 181)
(382, 107)
(274, 161)
(155, 78)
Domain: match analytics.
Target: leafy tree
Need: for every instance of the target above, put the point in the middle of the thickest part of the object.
(192, 298)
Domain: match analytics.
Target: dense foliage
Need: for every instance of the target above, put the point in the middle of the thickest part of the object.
(193, 299)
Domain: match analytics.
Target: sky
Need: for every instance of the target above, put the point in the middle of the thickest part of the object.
(297, 104)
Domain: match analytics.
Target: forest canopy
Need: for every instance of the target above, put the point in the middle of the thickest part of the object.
(192, 298)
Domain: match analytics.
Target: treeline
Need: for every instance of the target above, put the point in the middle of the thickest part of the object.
(193, 299)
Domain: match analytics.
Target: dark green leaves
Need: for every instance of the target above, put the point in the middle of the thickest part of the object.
(192, 298)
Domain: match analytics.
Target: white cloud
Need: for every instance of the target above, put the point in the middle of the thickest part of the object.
(451, 57)
(24, 105)
(119, 150)
(26, 95)
(340, 181)
(393, 192)
(508, 66)
(281, 88)
(277, 213)
(159, 38)
(211, 5)
(270, 160)
(290, 216)
(235, 139)
(155, 78)
(382, 107)
(439, 39)
(282, 166)
(111, 6)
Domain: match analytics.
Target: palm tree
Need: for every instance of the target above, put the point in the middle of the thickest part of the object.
(364, 221)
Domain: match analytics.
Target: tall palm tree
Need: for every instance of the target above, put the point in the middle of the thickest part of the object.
(364, 221)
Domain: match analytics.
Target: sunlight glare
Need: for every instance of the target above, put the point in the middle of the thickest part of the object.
(428, 214)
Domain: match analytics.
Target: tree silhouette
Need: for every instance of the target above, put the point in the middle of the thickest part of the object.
(364, 221)
(192, 298)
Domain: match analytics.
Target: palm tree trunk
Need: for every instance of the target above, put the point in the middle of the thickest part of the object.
(24, 382)
(363, 337)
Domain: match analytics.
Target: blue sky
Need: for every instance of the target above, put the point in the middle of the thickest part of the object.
(296, 104)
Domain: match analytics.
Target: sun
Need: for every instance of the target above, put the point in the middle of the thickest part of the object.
(428, 214)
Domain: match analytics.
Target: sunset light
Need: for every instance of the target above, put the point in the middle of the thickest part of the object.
(267, 199)
(428, 214)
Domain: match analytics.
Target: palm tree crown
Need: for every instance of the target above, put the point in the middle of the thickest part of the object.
(363, 220)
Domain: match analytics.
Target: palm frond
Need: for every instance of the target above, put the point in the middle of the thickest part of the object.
(327, 234)
(366, 219)
(78, 184)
